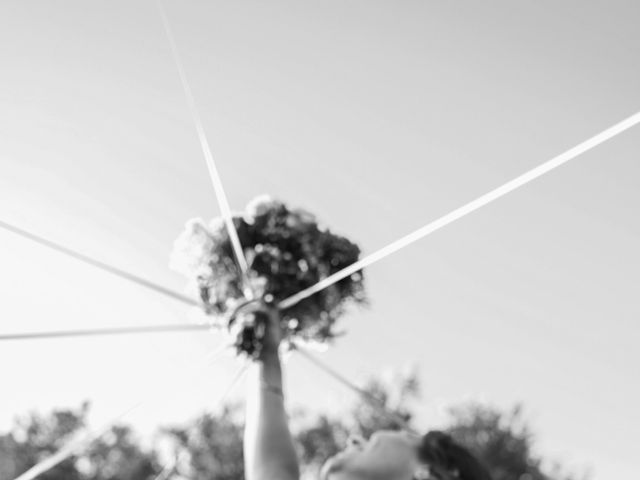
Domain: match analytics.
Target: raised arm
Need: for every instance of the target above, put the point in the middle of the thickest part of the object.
(268, 447)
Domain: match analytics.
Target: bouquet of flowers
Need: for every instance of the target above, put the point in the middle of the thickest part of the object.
(286, 251)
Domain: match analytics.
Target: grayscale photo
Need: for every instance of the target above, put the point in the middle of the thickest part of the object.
(331, 240)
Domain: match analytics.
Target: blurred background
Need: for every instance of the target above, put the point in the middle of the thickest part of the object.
(378, 117)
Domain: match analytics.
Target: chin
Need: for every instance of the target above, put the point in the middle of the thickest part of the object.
(328, 467)
(335, 466)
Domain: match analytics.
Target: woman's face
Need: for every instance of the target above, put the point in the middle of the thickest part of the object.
(388, 455)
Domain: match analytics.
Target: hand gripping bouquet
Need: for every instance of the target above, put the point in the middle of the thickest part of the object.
(287, 251)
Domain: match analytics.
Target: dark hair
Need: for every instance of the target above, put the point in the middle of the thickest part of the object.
(449, 460)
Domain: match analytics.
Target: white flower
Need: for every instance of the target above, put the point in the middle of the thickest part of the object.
(259, 206)
(192, 249)
(216, 225)
(300, 217)
(305, 216)
(258, 285)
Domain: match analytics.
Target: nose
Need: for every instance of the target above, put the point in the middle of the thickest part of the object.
(355, 441)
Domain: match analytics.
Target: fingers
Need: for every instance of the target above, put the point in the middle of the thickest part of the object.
(255, 325)
(254, 306)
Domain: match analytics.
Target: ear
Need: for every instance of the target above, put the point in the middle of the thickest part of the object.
(434, 472)
(422, 473)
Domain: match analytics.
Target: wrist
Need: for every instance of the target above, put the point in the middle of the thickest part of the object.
(269, 356)
(274, 389)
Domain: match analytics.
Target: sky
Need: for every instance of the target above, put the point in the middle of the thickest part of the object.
(378, 117)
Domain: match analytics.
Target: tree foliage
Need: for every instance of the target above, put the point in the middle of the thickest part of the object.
(503, 441)
(210, 446)
(116, 455)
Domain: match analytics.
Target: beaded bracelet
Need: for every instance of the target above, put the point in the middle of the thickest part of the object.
(273, 389)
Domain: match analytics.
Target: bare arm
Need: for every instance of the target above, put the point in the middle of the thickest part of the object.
(268, 447)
